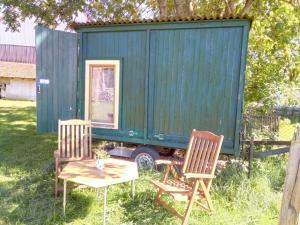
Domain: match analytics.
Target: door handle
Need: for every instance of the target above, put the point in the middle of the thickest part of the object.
(38, 88)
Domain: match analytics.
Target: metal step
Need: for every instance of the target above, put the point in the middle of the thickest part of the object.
(121, 152)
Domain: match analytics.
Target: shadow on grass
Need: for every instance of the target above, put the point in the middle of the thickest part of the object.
(26, 173)
(21, 147)
(142, 209)
(31, 201)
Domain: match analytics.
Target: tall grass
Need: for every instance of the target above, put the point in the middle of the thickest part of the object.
(26, 185)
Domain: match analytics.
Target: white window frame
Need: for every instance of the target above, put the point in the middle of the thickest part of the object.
(87, 112)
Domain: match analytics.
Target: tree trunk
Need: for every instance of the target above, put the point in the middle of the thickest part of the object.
(162, 5)
(230, 7)
(247, 7)
(189, 7)
(183, 8)
(290, 206)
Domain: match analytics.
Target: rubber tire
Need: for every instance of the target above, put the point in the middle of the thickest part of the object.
(147, 150)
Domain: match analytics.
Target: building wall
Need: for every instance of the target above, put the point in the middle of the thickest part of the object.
(20, 89)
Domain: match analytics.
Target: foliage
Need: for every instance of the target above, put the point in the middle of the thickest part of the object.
(27, 180)
(273, 58)
(273, 68)
(101, 153)
(49, 13)
(52, 13)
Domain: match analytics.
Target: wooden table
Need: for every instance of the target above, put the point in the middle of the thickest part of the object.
(85, 172)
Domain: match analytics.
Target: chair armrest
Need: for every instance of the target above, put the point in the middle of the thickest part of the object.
(168, 161)
(199, 175)
(163, 161)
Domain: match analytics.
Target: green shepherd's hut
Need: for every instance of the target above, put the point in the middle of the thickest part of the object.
(145, 83)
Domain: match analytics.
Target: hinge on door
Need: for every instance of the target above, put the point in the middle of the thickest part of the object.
(38, 88)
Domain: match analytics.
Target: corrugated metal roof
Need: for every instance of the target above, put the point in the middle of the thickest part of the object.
(15, 53)
(17, 70)
(156, 20)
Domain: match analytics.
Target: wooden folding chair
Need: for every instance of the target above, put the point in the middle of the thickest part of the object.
(74, 143)
(194, 181)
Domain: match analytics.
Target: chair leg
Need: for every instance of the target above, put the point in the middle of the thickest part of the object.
(209, 202)
(190, 204)
(207, 195)
(165, 177)
(170, 208)
(166, 173)
(56, 187)
(56, 176)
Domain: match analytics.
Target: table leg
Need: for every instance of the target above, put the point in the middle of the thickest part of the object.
(132, 188)
(104, 205)
(64, 198)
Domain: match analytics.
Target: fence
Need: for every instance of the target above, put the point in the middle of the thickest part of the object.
(260, 123)
(278, 125)
(268, 134)
(290, 206)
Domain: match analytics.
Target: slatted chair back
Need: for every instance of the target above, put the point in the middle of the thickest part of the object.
(202, 153)
(74, 139)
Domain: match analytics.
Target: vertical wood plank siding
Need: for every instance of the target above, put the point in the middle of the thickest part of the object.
(56, 53)
(175, 77)
(195, 76)
(130, 48)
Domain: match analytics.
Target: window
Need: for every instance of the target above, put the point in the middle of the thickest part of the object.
(102, 93)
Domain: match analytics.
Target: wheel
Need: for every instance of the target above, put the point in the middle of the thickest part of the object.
(145, 157)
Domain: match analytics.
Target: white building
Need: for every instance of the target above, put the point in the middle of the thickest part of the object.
(17, 62)
(17, 72)
(17, 81)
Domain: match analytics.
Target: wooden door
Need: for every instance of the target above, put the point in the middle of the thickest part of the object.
(56, 77)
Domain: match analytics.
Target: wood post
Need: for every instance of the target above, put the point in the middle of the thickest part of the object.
(65, 197)
(290, 206)
(132, 189)
(251, 150)
(104, 205)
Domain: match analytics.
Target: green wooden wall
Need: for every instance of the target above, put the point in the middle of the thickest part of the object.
(130, 48)
(175, 77)
(194, 81)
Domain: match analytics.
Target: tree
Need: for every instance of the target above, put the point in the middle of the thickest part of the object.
(274, 52)
(185, 8)
(274, 45)
(52, 12)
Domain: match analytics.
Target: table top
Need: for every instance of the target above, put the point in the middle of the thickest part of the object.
(85, 172)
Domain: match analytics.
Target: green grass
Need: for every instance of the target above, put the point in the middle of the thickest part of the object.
(286, 130)
(26, 186)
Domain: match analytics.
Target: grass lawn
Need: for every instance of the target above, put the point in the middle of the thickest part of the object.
(26, 185)
(286, 130)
